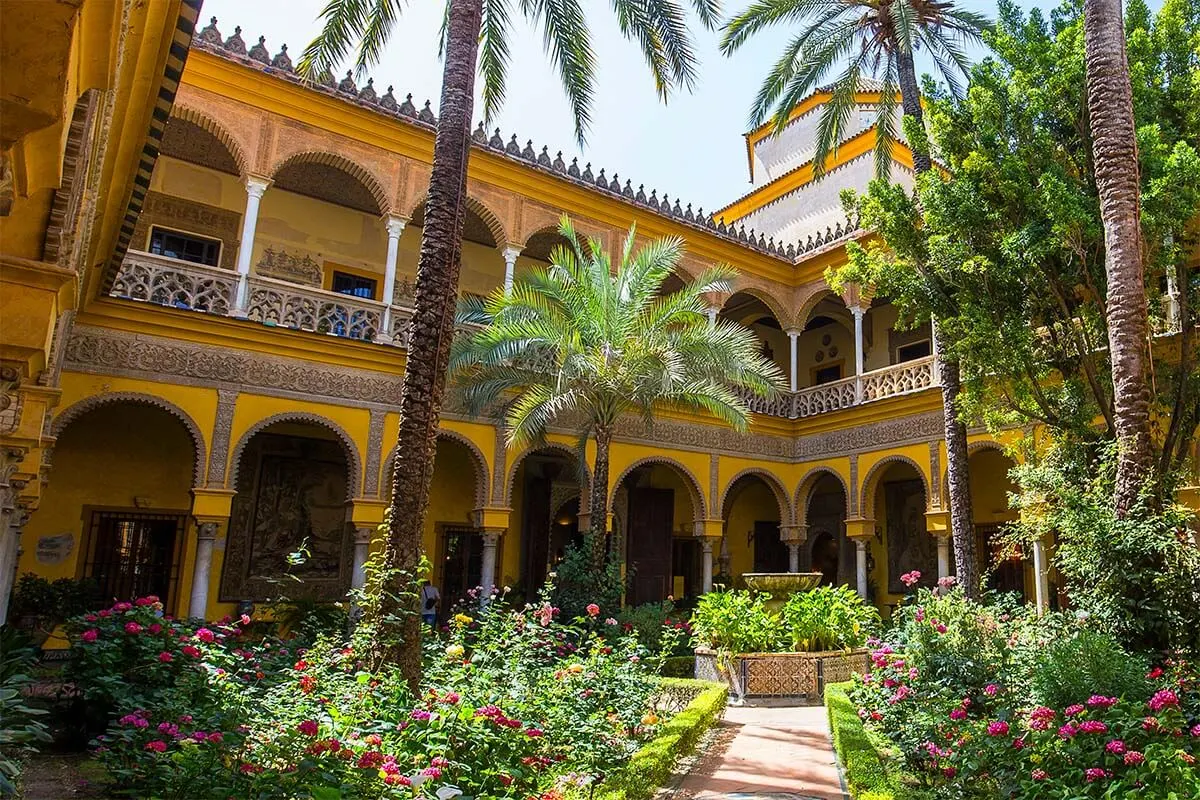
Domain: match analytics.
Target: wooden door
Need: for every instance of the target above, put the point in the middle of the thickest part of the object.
(651, 520)
(535, 533)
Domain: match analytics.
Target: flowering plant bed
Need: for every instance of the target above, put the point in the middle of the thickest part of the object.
(984, 701)
(515, 703)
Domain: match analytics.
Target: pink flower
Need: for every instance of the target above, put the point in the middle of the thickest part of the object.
(90, 635)
(958, 714)
(133, 627)
(609, 621)
(245, 619)
(191, 650)
(1162, 699)
(205, 635)
(165, 657)
(122, 607)
(991, 689)
(432, 772)
(1116, 747)
(157, 745)
(949, 772)
(308, 727)
(940, 628)
(1095, 774)
(1100, 701)
(533, 733)
(1039, 775)
(998, 728)
(155, 628)
(947, 582)
(1133, 758)
(1154, 674)
(593, 610)
(910, 578)
(1073, 710)
(1093, 726)
(1068, 731)
(438, 761)
(1196, 729)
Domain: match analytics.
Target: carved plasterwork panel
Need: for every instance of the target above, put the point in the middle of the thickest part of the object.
(294, 267)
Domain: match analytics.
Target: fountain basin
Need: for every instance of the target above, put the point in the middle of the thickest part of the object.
(781, 585)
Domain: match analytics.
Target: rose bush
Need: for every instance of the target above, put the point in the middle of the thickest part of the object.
(516, 703)
(992, 701)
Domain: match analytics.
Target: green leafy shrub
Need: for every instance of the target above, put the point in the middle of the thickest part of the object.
(651, 765)
(20, 729)
(1076, 667)
(828, 618)
(735, 621)
(870, 774)
(576, 583)
(658, 628)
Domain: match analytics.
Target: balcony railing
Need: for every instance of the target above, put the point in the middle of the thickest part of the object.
(181, 284)
(892, 381)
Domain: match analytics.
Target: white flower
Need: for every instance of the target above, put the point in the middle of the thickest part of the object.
(448, 792)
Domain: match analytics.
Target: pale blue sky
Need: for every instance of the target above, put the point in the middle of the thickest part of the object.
(691, 148)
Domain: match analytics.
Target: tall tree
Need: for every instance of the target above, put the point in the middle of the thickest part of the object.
(476, 36)
(877, 39)
(575, 342)
(1115, 161)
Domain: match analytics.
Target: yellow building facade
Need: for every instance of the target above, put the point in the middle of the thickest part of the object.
(224, 391)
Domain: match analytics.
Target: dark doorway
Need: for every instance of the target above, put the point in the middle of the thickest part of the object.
(651, 520)
(133, 554)
(1005, 570)
(770, 554)
(825, 558)
(462, 565)
(688, 564)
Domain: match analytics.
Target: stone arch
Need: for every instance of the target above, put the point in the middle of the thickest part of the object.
(355, 170)
(777, 309)
(490, 218)
(689, 480)
(809, 482)
(584, 488)
(353, 457)
(866, 503)
(202, 120)
(482, 486)
(972, 449)
(88, 404)
(786, 512)
(810, 302)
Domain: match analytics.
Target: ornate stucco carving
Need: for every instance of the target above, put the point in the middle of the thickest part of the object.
(353, 457)
(193, 217)
(374, 448)
(294, 267)
(695, 492)
(222, 431)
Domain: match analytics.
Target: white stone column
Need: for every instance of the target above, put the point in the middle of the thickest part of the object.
(10, 552)
(1041, 586)
(794, 341)
(860, 546)
(206, 534)
(706, 551)
(395, 227)
(255, 187)
(510, 265)
(713, 311)
(1174, 315)
(943, 551)
(857, 311)
(362, 546)
(487, 570)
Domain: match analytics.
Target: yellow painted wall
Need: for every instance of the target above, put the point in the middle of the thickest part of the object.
(749, 502)
(132, 457)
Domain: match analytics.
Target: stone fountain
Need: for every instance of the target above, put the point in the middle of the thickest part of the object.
(781, 585)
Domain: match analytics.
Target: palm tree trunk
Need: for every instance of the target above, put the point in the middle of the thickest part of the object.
(430, 334)
(962, 516)
(1114, 149)
(598, 499)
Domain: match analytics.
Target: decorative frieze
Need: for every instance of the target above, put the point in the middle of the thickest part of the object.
(193, 217)
(298, 268)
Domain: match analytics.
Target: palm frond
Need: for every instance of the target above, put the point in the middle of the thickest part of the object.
(494, 55)
(344, 21)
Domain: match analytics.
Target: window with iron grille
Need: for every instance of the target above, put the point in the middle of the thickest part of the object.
(185, 246)
(132, 554)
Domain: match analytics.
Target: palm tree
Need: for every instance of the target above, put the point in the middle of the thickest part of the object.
(1114, 147)
(875, 39)
(573, 343)
(475, 37)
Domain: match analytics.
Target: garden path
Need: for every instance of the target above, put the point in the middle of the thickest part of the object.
(778, 753)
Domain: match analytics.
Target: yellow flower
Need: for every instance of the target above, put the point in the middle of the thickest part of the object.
(576, 668)
(463, 619)
(650, 719)
(455, 651)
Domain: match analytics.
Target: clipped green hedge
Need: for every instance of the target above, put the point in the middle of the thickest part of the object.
(679, 667)
(650, 767)
(869, 776)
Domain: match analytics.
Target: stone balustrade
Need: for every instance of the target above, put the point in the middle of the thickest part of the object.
(184, 285)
